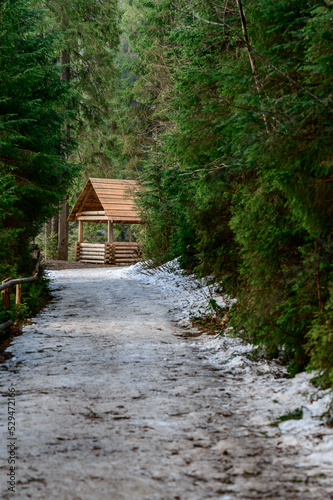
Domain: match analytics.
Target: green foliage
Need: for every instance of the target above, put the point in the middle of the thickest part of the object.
(320, 343)
(297, 414)
(34, 295)
(90, 38)
(4, 316)
(34, 174)
(48, 245)
(237, 176)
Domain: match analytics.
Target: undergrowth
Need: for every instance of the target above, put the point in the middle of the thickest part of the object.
(34, 296)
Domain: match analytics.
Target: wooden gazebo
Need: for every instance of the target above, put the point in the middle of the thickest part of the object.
(110, 201)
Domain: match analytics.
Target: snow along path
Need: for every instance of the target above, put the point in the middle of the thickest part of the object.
(114, 402)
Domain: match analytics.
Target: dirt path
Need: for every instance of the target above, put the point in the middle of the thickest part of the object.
(112, 402)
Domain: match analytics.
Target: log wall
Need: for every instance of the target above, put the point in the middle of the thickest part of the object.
(125, 253)
(119, 253)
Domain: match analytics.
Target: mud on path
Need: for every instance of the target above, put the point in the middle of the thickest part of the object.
(112, 402)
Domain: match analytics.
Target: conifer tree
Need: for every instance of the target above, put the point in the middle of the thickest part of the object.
(241, 160)
(34, 102)
(90, 39)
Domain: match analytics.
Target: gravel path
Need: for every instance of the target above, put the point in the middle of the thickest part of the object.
(114, 402)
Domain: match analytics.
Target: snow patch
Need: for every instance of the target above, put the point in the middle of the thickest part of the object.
(272, 398)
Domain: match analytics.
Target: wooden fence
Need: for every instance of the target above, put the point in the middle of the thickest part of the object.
(5, 291)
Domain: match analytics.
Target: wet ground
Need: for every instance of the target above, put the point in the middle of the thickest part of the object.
(57, 265)
(113, 402)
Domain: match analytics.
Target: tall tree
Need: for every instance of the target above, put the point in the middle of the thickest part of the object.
(90, 35)
(241, 161)
(34, 104)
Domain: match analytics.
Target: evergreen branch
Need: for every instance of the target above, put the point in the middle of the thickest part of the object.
(255, 51)
(251, 58)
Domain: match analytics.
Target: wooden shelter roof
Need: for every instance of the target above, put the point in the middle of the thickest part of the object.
(108, 199)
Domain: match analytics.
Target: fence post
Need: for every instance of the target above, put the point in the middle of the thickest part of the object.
(113, 253)
(77, 250)
(5, 296)
(18, 298)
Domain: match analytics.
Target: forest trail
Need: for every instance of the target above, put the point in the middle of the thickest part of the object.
(114, 402)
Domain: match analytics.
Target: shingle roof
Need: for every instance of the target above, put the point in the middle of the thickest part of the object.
(113, 196)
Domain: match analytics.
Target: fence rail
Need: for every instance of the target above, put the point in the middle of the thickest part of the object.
(5, 291)
(8, 284)
(6, 325)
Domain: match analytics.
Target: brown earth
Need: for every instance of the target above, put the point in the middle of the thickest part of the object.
(56, 265)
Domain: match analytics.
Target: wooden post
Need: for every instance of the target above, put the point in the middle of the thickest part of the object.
(80, 232)
(18, 299)
(77, 251)
(110, 231)
(5, 296)
(113, 253)
(79, 241)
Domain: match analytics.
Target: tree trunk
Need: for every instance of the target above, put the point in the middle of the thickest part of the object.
(251, 58)
(63, 214)
(63, 232)
(55, 226)
(48, 227)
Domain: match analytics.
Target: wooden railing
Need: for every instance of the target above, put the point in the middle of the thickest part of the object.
(5, 291)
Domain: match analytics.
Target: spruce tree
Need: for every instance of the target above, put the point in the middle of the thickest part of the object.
(34, 103)
(90, 39)
(242, 159)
